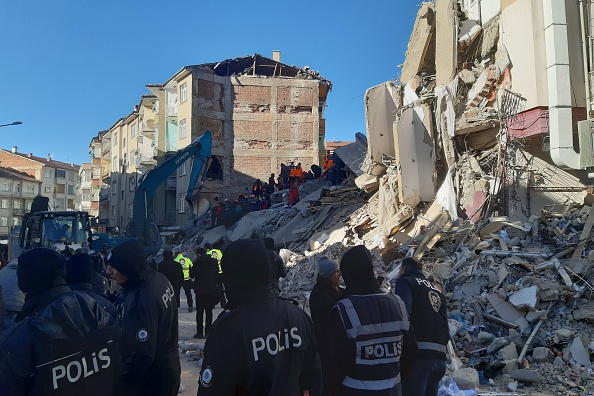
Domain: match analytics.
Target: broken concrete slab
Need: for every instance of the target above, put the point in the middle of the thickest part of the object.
(579, 355)
(527, 375)
(215, 235)
(480, 89)
(367, 183)
(446, 43)
(542, 354)
(525, 299)
(381, 104)
(466, 378)
(508, 352)
(419, 43)
(584, 312)
(353, 155)
(504, 308)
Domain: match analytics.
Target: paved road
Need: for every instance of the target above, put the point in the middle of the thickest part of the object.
(189, 364)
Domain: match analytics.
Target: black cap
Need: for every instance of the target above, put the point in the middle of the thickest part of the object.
(40, 269)
(128, 258)
(356, 267)
(246, 265)
(79, 269)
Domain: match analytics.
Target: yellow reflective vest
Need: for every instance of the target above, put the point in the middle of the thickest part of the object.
(216, 254)
(186, 265)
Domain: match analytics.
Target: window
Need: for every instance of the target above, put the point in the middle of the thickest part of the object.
(47, 189)
(5, 204)
(115, 138)
(114, 187)
(182, 170)
(86, 195)
(6, 186)
(59, 203)
(122, 194)
(114, 165)
(124, 142)
(17, 204)
(48, 173)
(113, 212)
(71, 190)
(183, 92)
(132, 183)
(30, 189)
(130, 209)
(16, 221)
(182, 129)
(133, 131)
(96, 173)
(18, 187)
(182, 204)
(60, 173)
(4, 221)
(29, 203)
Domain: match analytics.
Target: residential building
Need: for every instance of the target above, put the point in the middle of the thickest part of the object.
(58, 179)
(17, 190)
(261, 112)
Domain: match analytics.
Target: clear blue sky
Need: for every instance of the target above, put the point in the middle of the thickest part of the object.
(69, 69)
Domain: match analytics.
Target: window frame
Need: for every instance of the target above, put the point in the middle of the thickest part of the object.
(183, 92)
(183, 132)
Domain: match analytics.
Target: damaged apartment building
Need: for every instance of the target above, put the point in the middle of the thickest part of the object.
(260, 111)
(493, 105)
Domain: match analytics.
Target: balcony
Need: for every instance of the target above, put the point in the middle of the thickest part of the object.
(171, 111)
(85, 184)
(105, 172)
(171, 183)
(148, 126)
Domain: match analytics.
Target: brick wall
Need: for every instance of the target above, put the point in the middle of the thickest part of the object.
(19, 163)
(243, 129)
(252, 99)
(209, 95)
(247, 169)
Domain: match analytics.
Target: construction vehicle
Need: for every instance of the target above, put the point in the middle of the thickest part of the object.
(140, 226)
(72, 230)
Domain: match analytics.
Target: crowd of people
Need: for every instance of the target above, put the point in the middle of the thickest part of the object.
(72, 337)
(290, 176)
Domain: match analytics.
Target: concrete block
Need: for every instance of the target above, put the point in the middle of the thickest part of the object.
(542, 354)
(564, 334)
(558, 362)
(508, 352)
(525, 299)
(466, 378)
(511, 365)
(527, 375)
(497, 344)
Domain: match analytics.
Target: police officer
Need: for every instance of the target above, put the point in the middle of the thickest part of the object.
(188, 284)
(79, 275)
(218, 255)
(173, 272)
(277, 266)
(148, 315)
(260, 345)
(425, 304)
(64, 343)
(367, 330)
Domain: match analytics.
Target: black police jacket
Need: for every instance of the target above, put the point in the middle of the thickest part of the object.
(426, 306)
(148, 344)
(205, 271)
(65, 346)
(265, 346)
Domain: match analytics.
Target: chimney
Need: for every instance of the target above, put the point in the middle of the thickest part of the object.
(14, 149)
(136, 108)
(30, 155)
(276, 55)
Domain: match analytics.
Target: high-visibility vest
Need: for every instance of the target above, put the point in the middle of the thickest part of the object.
(218, 257)
(186, 265)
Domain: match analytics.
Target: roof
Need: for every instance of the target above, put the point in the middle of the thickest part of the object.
(46, 162)
(334, 145)
(258, 65)
(9, 173)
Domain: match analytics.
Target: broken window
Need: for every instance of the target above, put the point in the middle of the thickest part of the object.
(215, 170)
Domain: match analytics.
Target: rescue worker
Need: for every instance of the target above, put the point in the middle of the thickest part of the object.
(277, 266)
(285, 172)
(65, 343)
(293, 195)
(367, 331)
(217, 255)
(173, 272)
(257, 188)
(188, 284)
(261, 345)
(148, 316)
(325, 294)
(204, 271)
(424, 303)
(329, 161)
(79, 275)
(271, 183)
(317, 171)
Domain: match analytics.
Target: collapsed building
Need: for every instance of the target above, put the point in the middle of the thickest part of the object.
(476, 163)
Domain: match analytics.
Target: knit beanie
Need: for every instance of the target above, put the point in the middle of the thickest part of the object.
(356, 267)
(128, 258)
(326, 266)
(245, 265)
(40, 269)
(79, 269)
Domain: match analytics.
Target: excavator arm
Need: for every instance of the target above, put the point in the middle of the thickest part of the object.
(200, 151)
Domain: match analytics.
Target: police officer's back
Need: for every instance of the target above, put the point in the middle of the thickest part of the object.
(148, 315)
(261, 345)
(367, 328)
(64, 342)
(426, 304)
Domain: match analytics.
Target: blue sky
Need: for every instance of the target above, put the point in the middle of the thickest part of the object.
(69, 69)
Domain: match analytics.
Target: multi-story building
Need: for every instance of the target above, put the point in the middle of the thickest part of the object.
(58, 179)
(261, 112)
(17, 190)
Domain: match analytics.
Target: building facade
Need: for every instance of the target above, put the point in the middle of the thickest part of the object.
(261, 113)
(17, 190)
(58, 179)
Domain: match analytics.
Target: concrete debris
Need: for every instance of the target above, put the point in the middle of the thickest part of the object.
(527, 375)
